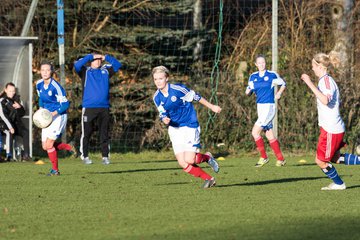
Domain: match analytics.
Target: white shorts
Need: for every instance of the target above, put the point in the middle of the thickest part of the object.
(266, 113)
(185, 139)
(56, 128)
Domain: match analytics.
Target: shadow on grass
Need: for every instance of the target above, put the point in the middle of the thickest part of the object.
(157, 161)
(297, 228)
(174, 183)
(356, 186)
(142, 162)
(136, 170)
(302, 165)
(283, 180)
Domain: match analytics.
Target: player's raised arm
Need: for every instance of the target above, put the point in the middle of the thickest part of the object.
(79, 64)
(322, 98)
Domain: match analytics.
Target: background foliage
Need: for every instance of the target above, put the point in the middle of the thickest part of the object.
(143, 34)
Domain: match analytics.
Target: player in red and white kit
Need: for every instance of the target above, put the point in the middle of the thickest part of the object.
(332, 127)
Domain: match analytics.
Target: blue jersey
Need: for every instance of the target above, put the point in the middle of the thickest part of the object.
(177, 105)
(95, 81)
(52, 97)
(263, 86)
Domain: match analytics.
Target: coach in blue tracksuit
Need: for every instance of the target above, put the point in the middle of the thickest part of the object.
(95, 102)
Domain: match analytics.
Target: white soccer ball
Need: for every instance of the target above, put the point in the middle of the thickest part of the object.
(42, 118)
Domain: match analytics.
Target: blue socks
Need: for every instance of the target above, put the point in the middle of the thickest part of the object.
(350, 159)
(331, 172)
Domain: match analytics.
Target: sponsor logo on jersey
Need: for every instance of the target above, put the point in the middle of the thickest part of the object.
(173, 98)
(161, 110)
(61, 99)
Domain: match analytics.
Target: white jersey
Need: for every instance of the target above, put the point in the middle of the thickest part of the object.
(329, 115)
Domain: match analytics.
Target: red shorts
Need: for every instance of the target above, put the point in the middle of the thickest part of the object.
(328, 145)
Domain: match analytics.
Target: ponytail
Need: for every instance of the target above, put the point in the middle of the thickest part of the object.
(327, 60)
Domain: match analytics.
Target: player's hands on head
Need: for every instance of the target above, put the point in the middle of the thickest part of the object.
(99, 56)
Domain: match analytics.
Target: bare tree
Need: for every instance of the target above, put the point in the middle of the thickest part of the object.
(197, 26)
(343, 33)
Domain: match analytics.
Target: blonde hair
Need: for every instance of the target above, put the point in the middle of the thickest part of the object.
(326, 60)
(161, 69)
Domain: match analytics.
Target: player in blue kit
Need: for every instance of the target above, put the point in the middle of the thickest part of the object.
(175, 105)
(262, 84)
(52, 97)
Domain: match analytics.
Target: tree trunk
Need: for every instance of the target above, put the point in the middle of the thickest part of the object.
(198, 26)
(197, 52)
(343, 33)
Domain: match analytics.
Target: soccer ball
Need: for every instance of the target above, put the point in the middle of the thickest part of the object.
(42, 118)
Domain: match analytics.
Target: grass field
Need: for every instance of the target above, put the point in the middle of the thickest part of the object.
(149, 197)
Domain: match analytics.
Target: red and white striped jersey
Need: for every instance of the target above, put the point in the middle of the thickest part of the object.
(329, 115)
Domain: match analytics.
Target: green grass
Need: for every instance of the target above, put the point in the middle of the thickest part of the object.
(149, 197)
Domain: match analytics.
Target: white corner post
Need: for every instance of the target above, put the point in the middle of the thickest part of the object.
(274, 56)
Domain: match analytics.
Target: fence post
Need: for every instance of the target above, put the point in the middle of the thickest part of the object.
(274, 55)
(61, 43)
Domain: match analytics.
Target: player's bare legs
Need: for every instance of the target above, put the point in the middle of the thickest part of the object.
(259, 141)
(275, 146)
(48, 146)
(185, 158)
(187, 161)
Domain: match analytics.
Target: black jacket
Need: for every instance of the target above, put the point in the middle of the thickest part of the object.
(10, 114)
